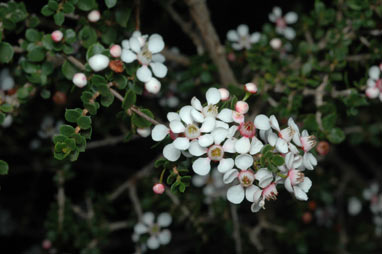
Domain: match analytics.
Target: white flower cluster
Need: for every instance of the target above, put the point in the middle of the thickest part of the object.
(223, 138)
(7, 94)
(374, 83)
(241, 38)
(157, 235)
(375, 197)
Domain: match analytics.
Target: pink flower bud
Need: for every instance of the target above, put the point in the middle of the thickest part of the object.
(250, 88)
(94, 16)
(307, 217)
(46, 244)
(323, 148)
(241, 107)
(237, 117)
(158, 188)
(276, 43)
(80, 80)
(144, 132)
(231, 56)
(224, 94)
(57, 36)
(153, 86)
(115, 51)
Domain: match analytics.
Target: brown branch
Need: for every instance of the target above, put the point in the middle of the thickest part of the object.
(201, 16)
(60, 199)
(236, 229)
(319, 100)
(109, 141)
(75, 62)
(137, 15)
(176, 57)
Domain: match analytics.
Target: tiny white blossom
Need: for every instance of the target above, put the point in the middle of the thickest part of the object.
(241, 38)
(282, 22)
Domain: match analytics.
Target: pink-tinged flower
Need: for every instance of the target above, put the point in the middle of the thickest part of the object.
(285, 136)
(80, 80)
(250, 88)
(260, 195)
(298, 184)
(241, 38)
(306, 142)
(246, 177)
(115, 51)
(374, 83)
(94, 16)
(57, 36)
(282, 22)
(46, 244)
(158, 188)
(153, 86)
(241, 107)
(157, 235)
(224, 94)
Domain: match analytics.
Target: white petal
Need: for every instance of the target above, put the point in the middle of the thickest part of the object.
(235, 194)
(255, 207)
(272, 17)
(288, 185)
(134, 44)
(159, 58)
(159, 69)
(128, 56)
(229, 145)
(171, 153)
(140, 228)
(242, 30)
(181, 143)
(206, 140)
(262, 122)
(164, 219)
(277, 11)
(153, 243)
(306, 162)
(289, 158)
(171, 116)
(159, 132)
(237, 46)
(289, 33)
(264, 176)
(156, 43)
(230, 175)
(195, 102)
(221, 124)
(372, 92)
(208, 124)
(225, 165)
(148, 218)
(374, 72)
(232, 131)
(125, 44)
(232, 35)
(186, 154)
(144, 74)
(242, 145)
(202, 166)
(255, 37)
(250, 192)
(291, 17)
(272, 138)
(212, 96)
(197, 116)
(219, 135)
(225, 115)
(306, 184)
(300, 194)
(256, 146)
(176, 126)
(312, 159)
(282, 145)
(199, 181)
(243, 161)
(196, 150)
(185, 114)
(371, 83)
(164, 237)
(274, 123)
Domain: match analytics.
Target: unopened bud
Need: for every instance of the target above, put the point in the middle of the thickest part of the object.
(241, 107)
(153, 86)
(323, 148)
(115, 51)
(79, 79)
(98, 62)
(144, 132)
(158, 188)
(94, 16)
(250, 88)
(57, 36)
(224, 94)
(276, 43)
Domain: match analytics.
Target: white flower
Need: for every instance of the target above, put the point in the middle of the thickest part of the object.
(306, 142)
(246, 177)
(276, 43)
(285, 135)
(157, 236)
(282, 22)
(374, 83)
(298, 184)
(98, 62)
(7, 121)
(354, 206)
(146, 52)
(260, 195)
(241, 38)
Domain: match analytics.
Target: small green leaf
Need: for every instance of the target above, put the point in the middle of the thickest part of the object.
(141, 122)
(94, 49)
(36, 55)
(87, 36)
(46, 11)
(86, 5)
(59, 18)
(6, 52)
(85, 122)
(129, 99)
(310, 123)
(122, 16)
(45, 94)
(266, 149)
(32, 35)
(329, 121)
(121, 81)
(336, 136)
(110, 3)
(68, 7)
(72, 115)
(53, 5)
(171, 178)
(4, 168)
(68, 70)
(66, 130)
(174, 187)
(278, 160)
(70, 36)
(107, 99)
(98, 81)
(6, 108)
(182, 187)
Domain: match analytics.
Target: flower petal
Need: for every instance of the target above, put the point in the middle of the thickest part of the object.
(300, 194)
(213, 96)
(225, 165)
(199, 181)
(159, 69)
(128, 56)
(195, 149)
(171, 116)
(164, 219)
(153, 243)
(289, 33)
(144, 74)
(374, 72)
(159, 132)
(250, 192)
(264, 176)
(208, 124)
(197, 116)
(306, 184)
(262, 122)
(185, 114)
(148, 218)
(229, 145)
(206, 140)
(274, 123)
(134, 44)
(221, 124)
(291, 17)
(176, 126)
(235, 194)
(288, 185)
(255, 37)
(195, 102)
(181, 143)
(164, 236)
(159, 58)
(219, 135)
(242, 30)
(232, 35)
(225, 115)
(171, 153)
(272, 138)
(156, 43)
(244, 161)
(140, 228)
(230, 175)
(202, 166)
(282, 145)
(256, 146)
(242, 145)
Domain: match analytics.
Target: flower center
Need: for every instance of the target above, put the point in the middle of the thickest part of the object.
(296, 176)
(287, 134)
(280, 22)
(210, 110)
(145, 56)
(215, 153)
(378, 84)
(246, 178)
(308, 143)
(247, 129)
(270, 192)
(192, 131)
(154, 229)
